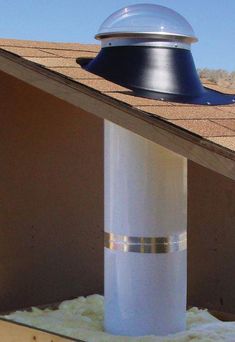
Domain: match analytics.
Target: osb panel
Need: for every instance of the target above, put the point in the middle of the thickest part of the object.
(14, 332)
(51, 180)
(211, 239)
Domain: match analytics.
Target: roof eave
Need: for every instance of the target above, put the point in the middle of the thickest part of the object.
(176, 139)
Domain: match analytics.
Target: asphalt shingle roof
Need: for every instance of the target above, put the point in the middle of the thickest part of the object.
(215, 124)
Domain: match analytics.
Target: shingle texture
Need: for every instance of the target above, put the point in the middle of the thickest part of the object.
(213, 123)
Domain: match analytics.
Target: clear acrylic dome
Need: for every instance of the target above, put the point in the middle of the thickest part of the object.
(147, 20)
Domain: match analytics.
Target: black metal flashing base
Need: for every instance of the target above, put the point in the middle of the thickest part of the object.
(154, 72)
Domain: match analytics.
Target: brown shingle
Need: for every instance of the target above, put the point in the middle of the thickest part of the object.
(75, 73)
(227, 142)
(204, 128)
(221, 89)
(71, 53)
(206, 81)
(175, 111)
(54, 61)
(228, 123)
(27, 52)
(133, 100)
(48, 45)
(228, 108)
(207, 121)
(84, 77)
(101, 85)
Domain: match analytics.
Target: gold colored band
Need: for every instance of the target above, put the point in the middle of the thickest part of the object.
(124, 243)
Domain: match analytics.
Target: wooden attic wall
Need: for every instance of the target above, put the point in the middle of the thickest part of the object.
(51, 203)
(51, 217)
(211, 239)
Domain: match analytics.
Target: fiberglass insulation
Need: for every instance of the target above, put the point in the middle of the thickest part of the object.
(82, 318)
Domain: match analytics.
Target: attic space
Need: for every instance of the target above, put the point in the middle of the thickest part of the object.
(51, 238)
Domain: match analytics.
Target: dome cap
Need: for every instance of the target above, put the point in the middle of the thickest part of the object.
(147, 21)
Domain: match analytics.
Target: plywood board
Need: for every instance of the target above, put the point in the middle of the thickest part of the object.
(211, 239)
(51, 181)
(15, 332)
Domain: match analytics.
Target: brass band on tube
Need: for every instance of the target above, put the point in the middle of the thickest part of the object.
(124, 243)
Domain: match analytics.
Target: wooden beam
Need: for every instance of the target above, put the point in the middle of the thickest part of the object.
(187, 144)
(16, 332)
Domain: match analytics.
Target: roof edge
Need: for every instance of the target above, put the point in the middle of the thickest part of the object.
(176, 139)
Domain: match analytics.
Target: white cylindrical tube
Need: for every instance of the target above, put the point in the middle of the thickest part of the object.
(145, 230)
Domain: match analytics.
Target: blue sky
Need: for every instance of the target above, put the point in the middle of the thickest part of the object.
(79, 20)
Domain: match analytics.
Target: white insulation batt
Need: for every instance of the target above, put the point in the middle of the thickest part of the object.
(82, 318)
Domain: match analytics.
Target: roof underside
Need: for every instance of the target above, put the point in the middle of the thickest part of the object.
(205, 134)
